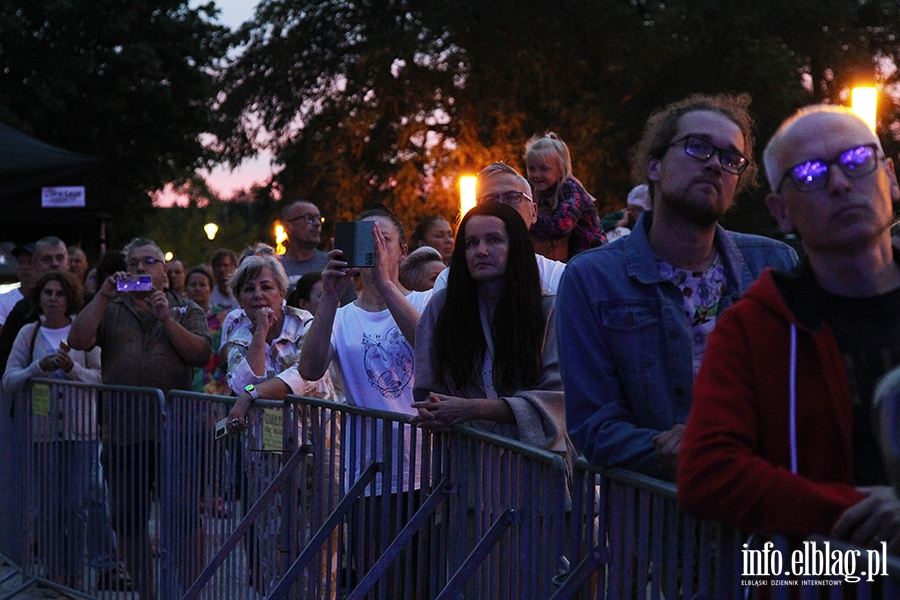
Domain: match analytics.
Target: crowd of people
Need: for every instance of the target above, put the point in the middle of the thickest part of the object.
(678, 349)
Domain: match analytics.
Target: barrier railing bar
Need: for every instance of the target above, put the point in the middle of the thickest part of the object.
(324, 531)
(288, 506)
(401, 541)
(248, 520)
(672, 533)
(27, 584)
(686, 543)
(478, 554)
(727, 565)
(634, 479)
(705, 555)
(656, 549)
(371, 413)
(581, 573)
(641, 552)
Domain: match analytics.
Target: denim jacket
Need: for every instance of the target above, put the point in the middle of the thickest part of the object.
(626, 348)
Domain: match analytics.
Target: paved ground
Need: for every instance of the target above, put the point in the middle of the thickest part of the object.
(12, 580)
(234, 573)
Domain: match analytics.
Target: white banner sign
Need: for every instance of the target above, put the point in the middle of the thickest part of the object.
(62, 197)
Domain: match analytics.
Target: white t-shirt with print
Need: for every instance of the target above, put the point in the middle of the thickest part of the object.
(376, 360)
(377, 364)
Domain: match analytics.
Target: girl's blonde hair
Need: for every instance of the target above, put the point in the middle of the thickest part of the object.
(551, 144)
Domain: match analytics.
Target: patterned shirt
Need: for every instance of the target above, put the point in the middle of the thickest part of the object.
(702, 292)
(282, 355)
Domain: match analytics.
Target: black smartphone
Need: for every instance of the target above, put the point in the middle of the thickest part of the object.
(354, 239)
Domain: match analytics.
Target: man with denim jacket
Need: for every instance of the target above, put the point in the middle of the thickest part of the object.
(633, 315)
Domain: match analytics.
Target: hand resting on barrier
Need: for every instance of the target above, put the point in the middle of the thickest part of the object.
(873, 520)
(665, 448)
(441, 411)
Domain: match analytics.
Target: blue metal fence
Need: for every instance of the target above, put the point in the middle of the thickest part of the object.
(325, 500)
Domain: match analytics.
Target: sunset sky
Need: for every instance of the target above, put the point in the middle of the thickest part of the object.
(221, 179)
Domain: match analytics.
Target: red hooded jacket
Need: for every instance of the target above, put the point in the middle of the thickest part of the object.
(734, 464)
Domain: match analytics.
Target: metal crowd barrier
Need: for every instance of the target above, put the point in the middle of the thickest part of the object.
(326, 501)
(369, 507)
(89, 505)
(634, 542)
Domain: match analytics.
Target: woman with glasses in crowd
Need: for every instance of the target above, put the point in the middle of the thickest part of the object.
(486, 346)
(568, 221)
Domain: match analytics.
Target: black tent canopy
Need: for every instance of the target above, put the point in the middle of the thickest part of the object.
(26, 166)
(27, 163)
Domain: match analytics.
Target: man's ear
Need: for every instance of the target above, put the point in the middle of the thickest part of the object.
(653, 165)
(777, 207)
(892, 179)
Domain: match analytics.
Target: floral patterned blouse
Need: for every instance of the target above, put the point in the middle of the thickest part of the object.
(282, 355)
(211, 379)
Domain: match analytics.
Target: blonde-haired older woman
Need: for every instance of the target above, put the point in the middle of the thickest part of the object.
(568, 221)
(262, 349)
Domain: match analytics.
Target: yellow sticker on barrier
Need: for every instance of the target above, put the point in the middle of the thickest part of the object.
(40, 400)
(273, 430)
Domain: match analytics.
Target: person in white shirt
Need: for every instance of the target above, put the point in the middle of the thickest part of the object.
(372, 338)
(25, 273)
(499, 182)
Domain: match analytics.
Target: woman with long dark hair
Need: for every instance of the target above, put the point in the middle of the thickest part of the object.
(486, 346)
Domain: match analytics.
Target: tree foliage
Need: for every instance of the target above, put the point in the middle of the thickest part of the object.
(391, 100)
(133, 81)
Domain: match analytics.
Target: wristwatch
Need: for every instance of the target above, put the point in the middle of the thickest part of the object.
(251, 389)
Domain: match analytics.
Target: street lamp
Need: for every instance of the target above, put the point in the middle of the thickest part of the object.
(864, 102)
(211, 230)
(280, 238)
(466, 194)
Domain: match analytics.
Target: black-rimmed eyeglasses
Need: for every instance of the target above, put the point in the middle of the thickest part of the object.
(147, 261)
(812, 175)
(308, 219)
(695, 147)
(512, 198)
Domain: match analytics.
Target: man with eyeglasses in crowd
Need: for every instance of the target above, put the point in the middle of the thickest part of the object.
(499, 182)
(303, 224)
(781, 435)
(150, 338)
(50, 254)
(633, 315)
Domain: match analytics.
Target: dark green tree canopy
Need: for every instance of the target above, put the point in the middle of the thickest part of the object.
(132, 81)
(391, 100)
